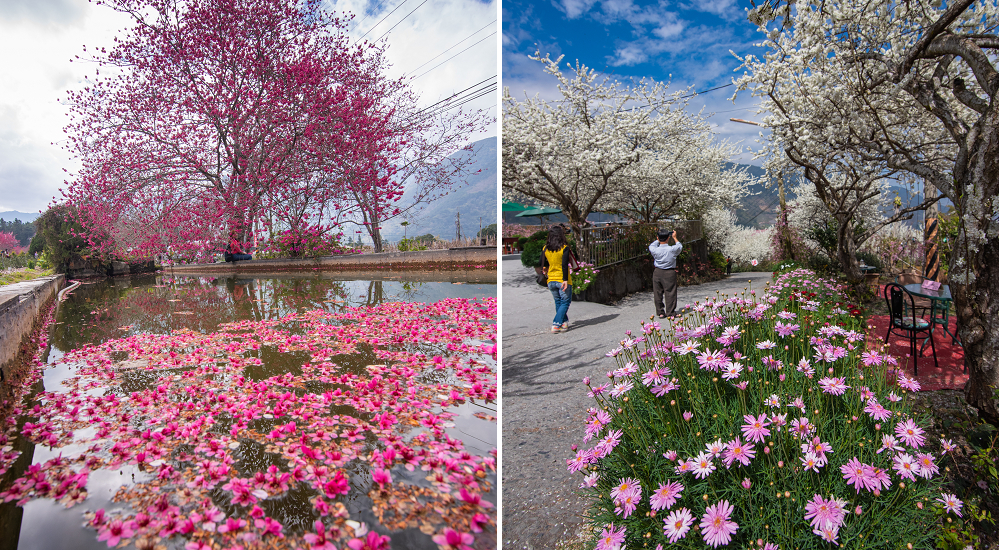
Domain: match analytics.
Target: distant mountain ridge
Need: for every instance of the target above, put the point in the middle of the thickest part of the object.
(12, 215)
(474, 200)
(760, 207)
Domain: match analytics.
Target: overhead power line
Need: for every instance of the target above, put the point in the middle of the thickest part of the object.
(692, 94)
(453, 57)
(453, 46)
(400, 21)
(367, 15)
(458, 92)
(380, 21)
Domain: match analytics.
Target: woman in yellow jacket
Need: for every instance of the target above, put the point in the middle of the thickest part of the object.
(555, 263)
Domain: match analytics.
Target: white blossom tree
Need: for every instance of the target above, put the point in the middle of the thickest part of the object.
(744, 244)
(685, 179)
(904, 86)
(595, 140)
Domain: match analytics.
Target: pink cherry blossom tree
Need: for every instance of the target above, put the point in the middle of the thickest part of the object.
(211, 114)
(8, 241)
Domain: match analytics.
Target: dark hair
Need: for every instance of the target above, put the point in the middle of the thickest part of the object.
(663, 234)
(556, 240)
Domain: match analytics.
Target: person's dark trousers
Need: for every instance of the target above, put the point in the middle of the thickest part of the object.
(729, 269)
(664, 289)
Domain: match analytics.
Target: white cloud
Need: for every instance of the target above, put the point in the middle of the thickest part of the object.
(576, 8)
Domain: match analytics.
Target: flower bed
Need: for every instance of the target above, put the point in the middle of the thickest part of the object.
(225, 455)
(767, 425)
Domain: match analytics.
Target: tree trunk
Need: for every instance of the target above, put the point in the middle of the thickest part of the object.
(376, 237)
(976, 305)
(847, 255)
(976, 297)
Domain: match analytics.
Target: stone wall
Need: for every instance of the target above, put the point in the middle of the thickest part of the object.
(20, 306)
(79, 268)
(454, 258)
(614, 282)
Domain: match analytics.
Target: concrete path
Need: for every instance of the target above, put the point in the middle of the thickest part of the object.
(545, 404)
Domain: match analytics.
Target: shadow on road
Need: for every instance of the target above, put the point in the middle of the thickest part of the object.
(594, 321)
(533, 370)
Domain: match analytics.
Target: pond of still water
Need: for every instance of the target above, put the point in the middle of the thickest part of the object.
(275, 411)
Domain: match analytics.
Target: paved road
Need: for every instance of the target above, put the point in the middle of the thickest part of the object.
(544, 402)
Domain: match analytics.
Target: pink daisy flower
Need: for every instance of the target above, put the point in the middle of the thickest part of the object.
(703, 465)
(824, 513)
(737, 450)
(951, 503)
(715, 448)
(677, 524)
(910, 433)
(621, 389)
(829, 534)
(801, 428)
(889, 443)
(784, 330)
(716, 528)
(833, 386)
(755, 429)
(611, 538)
(908, 383)
(855, 472)
(684, 467)
(766, 344)
(819, 448)
(665, 496)
(927, 467)
(877, 411)
(877, 479)
(810, 462)
(580, 461)
(625, 485)
(626, 503)
(732, 371)
(905, 466)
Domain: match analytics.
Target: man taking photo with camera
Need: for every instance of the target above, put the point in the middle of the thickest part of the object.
(665, 272)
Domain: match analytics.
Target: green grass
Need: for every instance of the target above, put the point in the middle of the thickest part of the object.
(23, 274)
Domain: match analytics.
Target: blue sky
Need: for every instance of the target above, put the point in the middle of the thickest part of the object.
(685, 43)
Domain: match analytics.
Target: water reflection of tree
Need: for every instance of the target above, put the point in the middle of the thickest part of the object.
(115, 308)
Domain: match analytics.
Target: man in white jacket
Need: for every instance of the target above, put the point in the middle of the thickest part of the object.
(665, 272)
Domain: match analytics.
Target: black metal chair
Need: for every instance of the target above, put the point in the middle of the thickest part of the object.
(897, 299)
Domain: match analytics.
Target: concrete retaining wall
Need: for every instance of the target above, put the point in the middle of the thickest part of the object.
(614, 282)
(454, 258)
(20, 305)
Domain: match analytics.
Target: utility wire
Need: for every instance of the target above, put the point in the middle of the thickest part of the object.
(692, 94)
(458, 102)
(380, 21)
(464, 100)
(367, 15)
(457, 93)
(453, 46)
(400, 21)
(453, 57)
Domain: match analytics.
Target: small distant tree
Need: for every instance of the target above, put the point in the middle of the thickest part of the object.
(8, 241)
(64, 235)
(490, 231)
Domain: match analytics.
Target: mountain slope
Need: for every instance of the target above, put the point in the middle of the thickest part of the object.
(475, 198)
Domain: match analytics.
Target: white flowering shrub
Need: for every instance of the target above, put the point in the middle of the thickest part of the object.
(768, 425)
(744, 244)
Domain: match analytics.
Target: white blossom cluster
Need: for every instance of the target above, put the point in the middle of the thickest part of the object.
(608, 146)
(743, 244)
